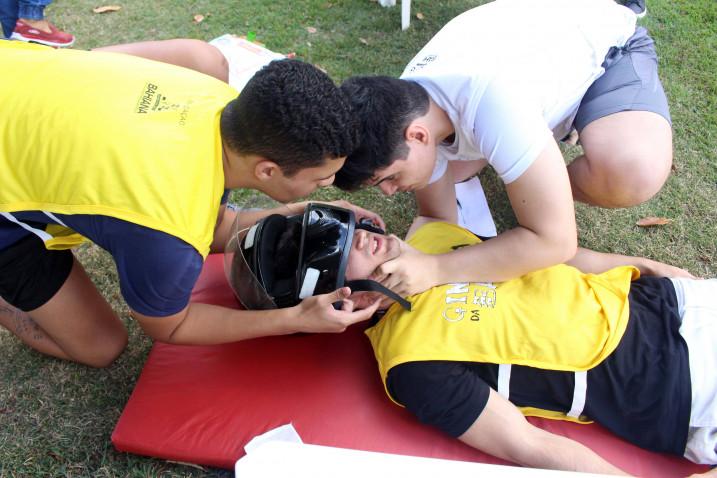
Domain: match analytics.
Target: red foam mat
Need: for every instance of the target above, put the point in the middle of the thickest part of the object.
(202, 404)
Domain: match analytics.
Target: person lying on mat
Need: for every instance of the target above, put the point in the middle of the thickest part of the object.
(624, 341)
(138, 156)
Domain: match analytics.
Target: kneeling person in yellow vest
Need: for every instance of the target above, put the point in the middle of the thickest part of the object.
(590, 341)
(138, 156)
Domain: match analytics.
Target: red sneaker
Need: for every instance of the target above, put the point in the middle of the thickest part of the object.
(56, 38)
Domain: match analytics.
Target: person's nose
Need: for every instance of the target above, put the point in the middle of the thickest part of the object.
(327, 182)
(388, 188)
(360, 240)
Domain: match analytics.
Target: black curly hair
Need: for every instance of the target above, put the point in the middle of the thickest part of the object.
(293, 114)
(385, 107)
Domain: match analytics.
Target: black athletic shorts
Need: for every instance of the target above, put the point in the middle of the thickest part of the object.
(30, 275)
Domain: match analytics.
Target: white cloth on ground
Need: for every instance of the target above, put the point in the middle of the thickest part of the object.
(244, 58)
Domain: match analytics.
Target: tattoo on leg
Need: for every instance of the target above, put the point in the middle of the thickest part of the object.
(24, 325)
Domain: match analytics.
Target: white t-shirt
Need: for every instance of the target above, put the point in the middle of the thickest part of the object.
(511, 74)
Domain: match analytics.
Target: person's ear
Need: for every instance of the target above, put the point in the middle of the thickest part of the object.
(417, 131)
(266, 170)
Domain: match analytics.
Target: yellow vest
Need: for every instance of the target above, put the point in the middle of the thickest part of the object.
(110, 134)
(556, 318)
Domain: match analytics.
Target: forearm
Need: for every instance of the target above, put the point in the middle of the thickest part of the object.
(708, 474)
(595, 262)
(250, 217)
(194, 54)
(506, 256)
(207, 324)
(247, 219)
(545, 236)
(555, 452)
(502, 431)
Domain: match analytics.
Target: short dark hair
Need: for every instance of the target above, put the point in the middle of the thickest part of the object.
(291, 113)
(385, 107)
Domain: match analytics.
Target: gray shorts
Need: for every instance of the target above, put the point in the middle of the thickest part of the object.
(630, 83)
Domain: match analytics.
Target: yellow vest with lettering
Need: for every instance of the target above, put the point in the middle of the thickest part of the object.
(557, 318)
(110, 134)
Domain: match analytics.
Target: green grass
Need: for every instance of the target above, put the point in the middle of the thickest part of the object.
(56, 418)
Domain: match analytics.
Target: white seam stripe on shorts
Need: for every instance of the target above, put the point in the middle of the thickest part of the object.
(38, 232)
(504, 380)
(54, 218)
(579, 394)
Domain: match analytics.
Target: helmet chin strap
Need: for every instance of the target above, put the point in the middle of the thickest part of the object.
(366, 285)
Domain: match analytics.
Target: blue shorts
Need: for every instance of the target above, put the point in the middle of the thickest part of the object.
(156, 270)
(630, 83)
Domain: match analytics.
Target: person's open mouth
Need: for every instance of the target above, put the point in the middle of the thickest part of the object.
(377, 243)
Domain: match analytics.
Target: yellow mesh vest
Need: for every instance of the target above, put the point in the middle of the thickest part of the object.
(556, 318)
(110, 134)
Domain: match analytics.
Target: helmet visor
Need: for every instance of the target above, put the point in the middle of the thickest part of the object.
(242, 280)
(327, 233)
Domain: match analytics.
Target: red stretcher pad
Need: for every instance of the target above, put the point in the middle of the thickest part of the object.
(202, 404)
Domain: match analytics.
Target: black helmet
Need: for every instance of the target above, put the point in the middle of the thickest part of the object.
(281, 260)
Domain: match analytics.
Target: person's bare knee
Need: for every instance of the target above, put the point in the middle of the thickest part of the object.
(97, 341)
(648, 174)
(628, 157)
(627, 181)
(81, 321)
(104, 351)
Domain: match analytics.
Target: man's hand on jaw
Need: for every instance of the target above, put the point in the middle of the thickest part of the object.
(317, 313)
(410, 273)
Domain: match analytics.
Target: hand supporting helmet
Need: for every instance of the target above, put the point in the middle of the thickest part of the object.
(281, 260)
